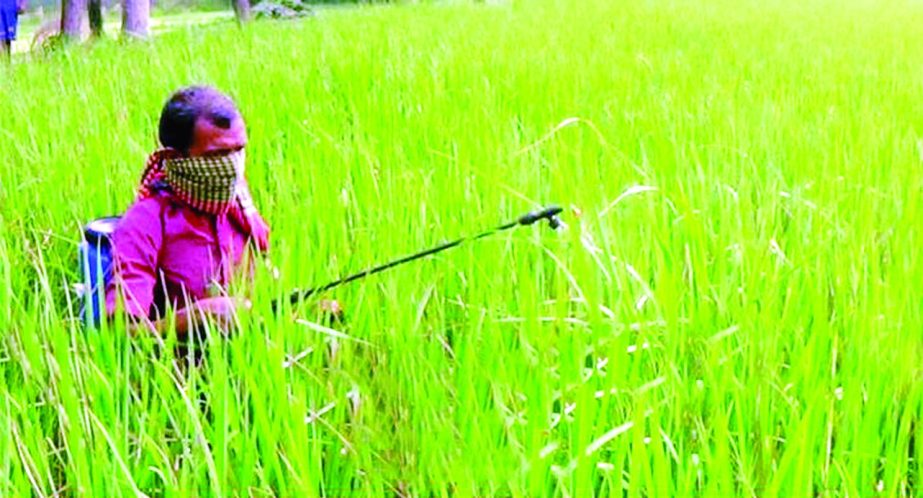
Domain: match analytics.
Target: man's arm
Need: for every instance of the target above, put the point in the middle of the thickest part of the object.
(136, 245)
(219, 311)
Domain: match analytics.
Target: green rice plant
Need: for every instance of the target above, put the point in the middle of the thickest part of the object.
(734, 309)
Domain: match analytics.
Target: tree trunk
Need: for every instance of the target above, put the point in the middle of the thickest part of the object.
(72, 12)
(242, 10)
(135, 16)
(95, 11)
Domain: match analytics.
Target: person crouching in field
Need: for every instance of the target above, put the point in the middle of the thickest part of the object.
(9, 20)
(194, 226)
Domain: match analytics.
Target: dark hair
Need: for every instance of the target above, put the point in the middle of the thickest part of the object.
(186, 107)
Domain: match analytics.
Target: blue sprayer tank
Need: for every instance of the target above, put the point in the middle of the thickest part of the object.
(95, 253)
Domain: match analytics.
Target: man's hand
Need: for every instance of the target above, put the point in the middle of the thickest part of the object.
(221, 311)
(331, 309)
(21, 6)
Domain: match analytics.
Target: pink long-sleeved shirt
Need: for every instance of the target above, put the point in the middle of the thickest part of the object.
(169, 254)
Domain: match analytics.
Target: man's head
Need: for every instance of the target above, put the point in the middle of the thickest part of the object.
(201, 121)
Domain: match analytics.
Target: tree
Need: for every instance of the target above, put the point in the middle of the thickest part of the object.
(242, 10)
(72, 15)
(95, 12)
(135, 16)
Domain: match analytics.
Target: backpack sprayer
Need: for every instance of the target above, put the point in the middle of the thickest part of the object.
(95, 255)
(96, 261)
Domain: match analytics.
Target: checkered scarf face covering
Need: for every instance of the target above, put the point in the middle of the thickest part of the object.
(208, 184)
(212, 184)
